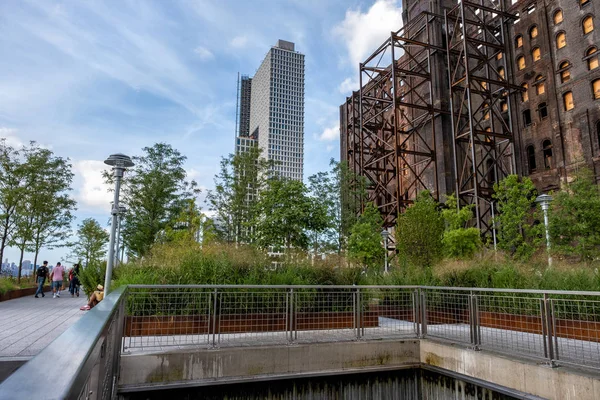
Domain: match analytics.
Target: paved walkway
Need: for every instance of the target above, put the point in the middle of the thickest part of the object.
(27, 324)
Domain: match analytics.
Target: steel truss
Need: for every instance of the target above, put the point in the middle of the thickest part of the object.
(394, 144)
(480, 103)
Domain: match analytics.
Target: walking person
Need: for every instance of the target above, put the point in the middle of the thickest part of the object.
(57, 279)
(74, 280)
(42, 274)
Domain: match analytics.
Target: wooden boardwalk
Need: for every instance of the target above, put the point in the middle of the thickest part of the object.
(27, 324)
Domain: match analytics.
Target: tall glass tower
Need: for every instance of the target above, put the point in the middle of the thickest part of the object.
(277, 109)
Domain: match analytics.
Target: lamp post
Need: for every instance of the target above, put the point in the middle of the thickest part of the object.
(544, 200)
(122, 210)
(119, 162)
(385, 234)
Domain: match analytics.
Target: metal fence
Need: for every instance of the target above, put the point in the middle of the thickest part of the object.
(556, 327)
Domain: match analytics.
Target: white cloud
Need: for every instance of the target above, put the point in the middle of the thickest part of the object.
(330, 134)
(238, 41)
(329, 148)
(93, 192)
(10, 136)
(348, 86)
(203, 53)
(364, 32)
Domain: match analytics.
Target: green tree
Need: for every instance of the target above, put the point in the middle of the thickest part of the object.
(458, 240)
(155, 192)
(285, 214)
(187, 225)
(515, 200)
(11, 191)
(575, 217)
(234, 197)
(419, 231)
(52, 205)
(91, 243)
(341, 192)
(364, 243)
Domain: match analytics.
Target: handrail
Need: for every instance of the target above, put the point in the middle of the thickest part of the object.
(61, 369)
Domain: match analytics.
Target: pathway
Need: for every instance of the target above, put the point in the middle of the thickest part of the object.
(27, 324)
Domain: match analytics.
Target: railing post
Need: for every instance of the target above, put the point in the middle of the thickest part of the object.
(214, 318)
(474, 321)
(357, 312)
(549, 323)
(423, 307)
(290, 317)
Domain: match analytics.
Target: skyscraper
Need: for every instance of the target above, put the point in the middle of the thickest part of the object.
(277, 109)
(243, 140)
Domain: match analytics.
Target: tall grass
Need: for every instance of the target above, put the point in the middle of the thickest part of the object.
(243, 265)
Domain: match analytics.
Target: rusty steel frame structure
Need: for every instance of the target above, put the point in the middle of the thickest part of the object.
(394, 147)
(480, 103)
(390, 137)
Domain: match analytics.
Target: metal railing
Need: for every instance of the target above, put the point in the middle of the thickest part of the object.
(556, 327)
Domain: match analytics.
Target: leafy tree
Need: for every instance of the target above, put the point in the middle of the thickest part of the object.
(209, 231)
(285, 214)
(419, 231)
(234, 197)
(459, 241)
(52, 205)
(11, 191)
(341, 192)
(364, 243)
(516, 206)
(187, 225)
(92, 241)
(155, 192)
(575, 217)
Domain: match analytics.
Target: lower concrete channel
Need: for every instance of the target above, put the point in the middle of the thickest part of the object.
(404, 384)
(429, 370)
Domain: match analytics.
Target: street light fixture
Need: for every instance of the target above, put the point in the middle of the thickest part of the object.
(119, 162)
(544, 200)
(385, 234)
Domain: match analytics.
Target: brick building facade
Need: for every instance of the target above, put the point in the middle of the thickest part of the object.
(546, 76)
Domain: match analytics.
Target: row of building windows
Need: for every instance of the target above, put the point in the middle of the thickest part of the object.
(587, 25)
(540, 87)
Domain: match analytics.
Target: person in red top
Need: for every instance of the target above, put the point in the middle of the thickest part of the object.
(57, 279)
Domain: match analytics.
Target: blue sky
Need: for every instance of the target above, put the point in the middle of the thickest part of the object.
(92, 78)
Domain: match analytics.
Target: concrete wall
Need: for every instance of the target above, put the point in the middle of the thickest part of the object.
(228, 365)
(523, 375)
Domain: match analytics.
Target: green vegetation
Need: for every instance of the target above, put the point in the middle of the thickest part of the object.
(459, 241)
(91, 242)
(364, 244)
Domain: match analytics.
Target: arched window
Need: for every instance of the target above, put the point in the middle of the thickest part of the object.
(542, 110)
(503, 106)
(486, 112)
(527, 117)
(547, 151)
(521, 63)
(592, 58)
(499, 56)
(501, 72)
(561, 40)
(584, 2)
(540, 87)
(568, 101)
(519, 41)
(533, 32)
(525, 92)
(588, 24)
(596, 89)
(536, 54)
(531, 159)
(558, 17)
(563, 69)
(491, 174)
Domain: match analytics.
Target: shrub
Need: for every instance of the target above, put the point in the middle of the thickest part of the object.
(91, 276)
(458, 241)
(419, 232)
(364, 244)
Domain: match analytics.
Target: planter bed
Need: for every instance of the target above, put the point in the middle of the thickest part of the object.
(15, 294)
